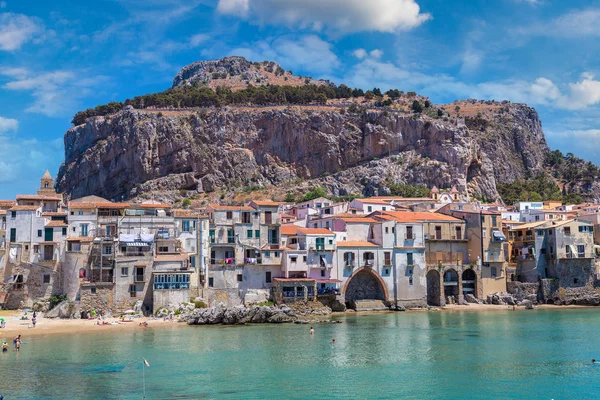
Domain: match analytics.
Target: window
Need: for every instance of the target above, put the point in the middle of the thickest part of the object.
(26, 247)
(267, 253)
(322, 273)
(229, 215)
(369, 209)
(567, 230)
(80, 212)
(245, 218)
(139, 274)
(304, 258)
(93, 290)
(84, 230)
(276, 254)
(39, 233)
(384, 208)
(327, 225)
(211, 235)
(537, 217)
(13, 214)
(230, 236)
(330, 241)
(13, 234)
(240, 278)
(550, 232)
(409, 272)
(409, 232)
(387, 230)
(494, 220)
(293, 259)
(482, 219)
(249, 234)
(163, 249)
(46, 278)
(124, 271)
(458, 232)
(132, 291)
(320, 242)
(387, 258)
(349, 259)
(584, 228)
(368, 258)
(211, 282)
(543, 250)
(257, 234)
(438, 232)
(580, 250)
(107, 250)
(393, 230)
(494, 272)
(186, 226)
(409, 259)
(36, 248)
(268, 276)
(64, 231)
(484, 232)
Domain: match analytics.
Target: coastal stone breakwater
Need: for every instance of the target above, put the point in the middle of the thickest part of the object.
(246, 315)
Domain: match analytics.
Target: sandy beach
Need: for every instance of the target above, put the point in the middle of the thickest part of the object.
(52, 326)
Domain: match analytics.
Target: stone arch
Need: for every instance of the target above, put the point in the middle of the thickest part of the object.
(365, 284)
(451, 284)
(469, 282)
(433, 288)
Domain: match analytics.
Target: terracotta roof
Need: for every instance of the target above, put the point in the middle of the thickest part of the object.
(7, 203)
(420, 216)
(229, 208)
(266, 203)
(158, 205)
(170, 257)
(81, 206)
(38, 197)
(357, 243)
(289, 229)
(358, 220)
(531, 225)
(188, 214)
(2, 212)
(56, 224)
(112, 205)
(24, 208)
(375, 201)
(315, 231)
(54, 214)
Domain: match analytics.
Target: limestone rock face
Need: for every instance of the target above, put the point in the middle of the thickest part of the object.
(123, 155)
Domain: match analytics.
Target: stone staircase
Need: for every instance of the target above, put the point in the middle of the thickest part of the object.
(369, 305)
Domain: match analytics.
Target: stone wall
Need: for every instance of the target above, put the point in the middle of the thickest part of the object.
(523, 290)
(229, 297)
(102, 300)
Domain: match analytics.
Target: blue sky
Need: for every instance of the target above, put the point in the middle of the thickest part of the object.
(63, 56)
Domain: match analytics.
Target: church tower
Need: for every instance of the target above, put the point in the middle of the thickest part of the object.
(46, 184)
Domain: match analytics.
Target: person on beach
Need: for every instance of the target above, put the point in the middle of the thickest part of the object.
(18, 344)
(34, 320)
(312, 331)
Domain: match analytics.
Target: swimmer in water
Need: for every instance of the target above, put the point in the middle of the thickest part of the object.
(312, 331)
(593, 361)
(4, 347)
(333, 341)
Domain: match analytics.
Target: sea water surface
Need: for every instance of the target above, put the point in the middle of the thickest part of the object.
(539, 354)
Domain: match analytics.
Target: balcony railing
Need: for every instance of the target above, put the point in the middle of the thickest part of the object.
(222, 261)
(349, 264)
(139, 278)
(410, 237)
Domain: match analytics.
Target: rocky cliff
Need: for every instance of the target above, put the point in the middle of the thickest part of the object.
(346, 150)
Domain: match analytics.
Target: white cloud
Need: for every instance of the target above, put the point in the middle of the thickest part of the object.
(16, 30)
(238, 8)
(198, 39)
(308, 52)
(360, 53)
(55, 93)
(575, 24)
(376, 53)
(541, 91)
(27, 158)
(343, 16)
(8, 124)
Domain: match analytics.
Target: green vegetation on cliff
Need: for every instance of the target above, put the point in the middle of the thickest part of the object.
(203, 96)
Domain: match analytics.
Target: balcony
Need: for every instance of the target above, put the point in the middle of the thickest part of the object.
(410, 237)
(139, 278)
(222, 261)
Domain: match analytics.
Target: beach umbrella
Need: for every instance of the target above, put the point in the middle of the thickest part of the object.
(129, 312)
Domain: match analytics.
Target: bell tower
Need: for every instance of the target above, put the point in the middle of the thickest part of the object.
(47, 184)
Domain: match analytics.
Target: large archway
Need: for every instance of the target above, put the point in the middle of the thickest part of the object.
(364, 284)
(451, 284)
(433, 288)
(469, 282)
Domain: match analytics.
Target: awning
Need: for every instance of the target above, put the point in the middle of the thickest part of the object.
(498, 236)
(328, 281)
(137, 244)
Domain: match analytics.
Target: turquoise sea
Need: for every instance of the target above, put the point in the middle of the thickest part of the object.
(539, 354)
